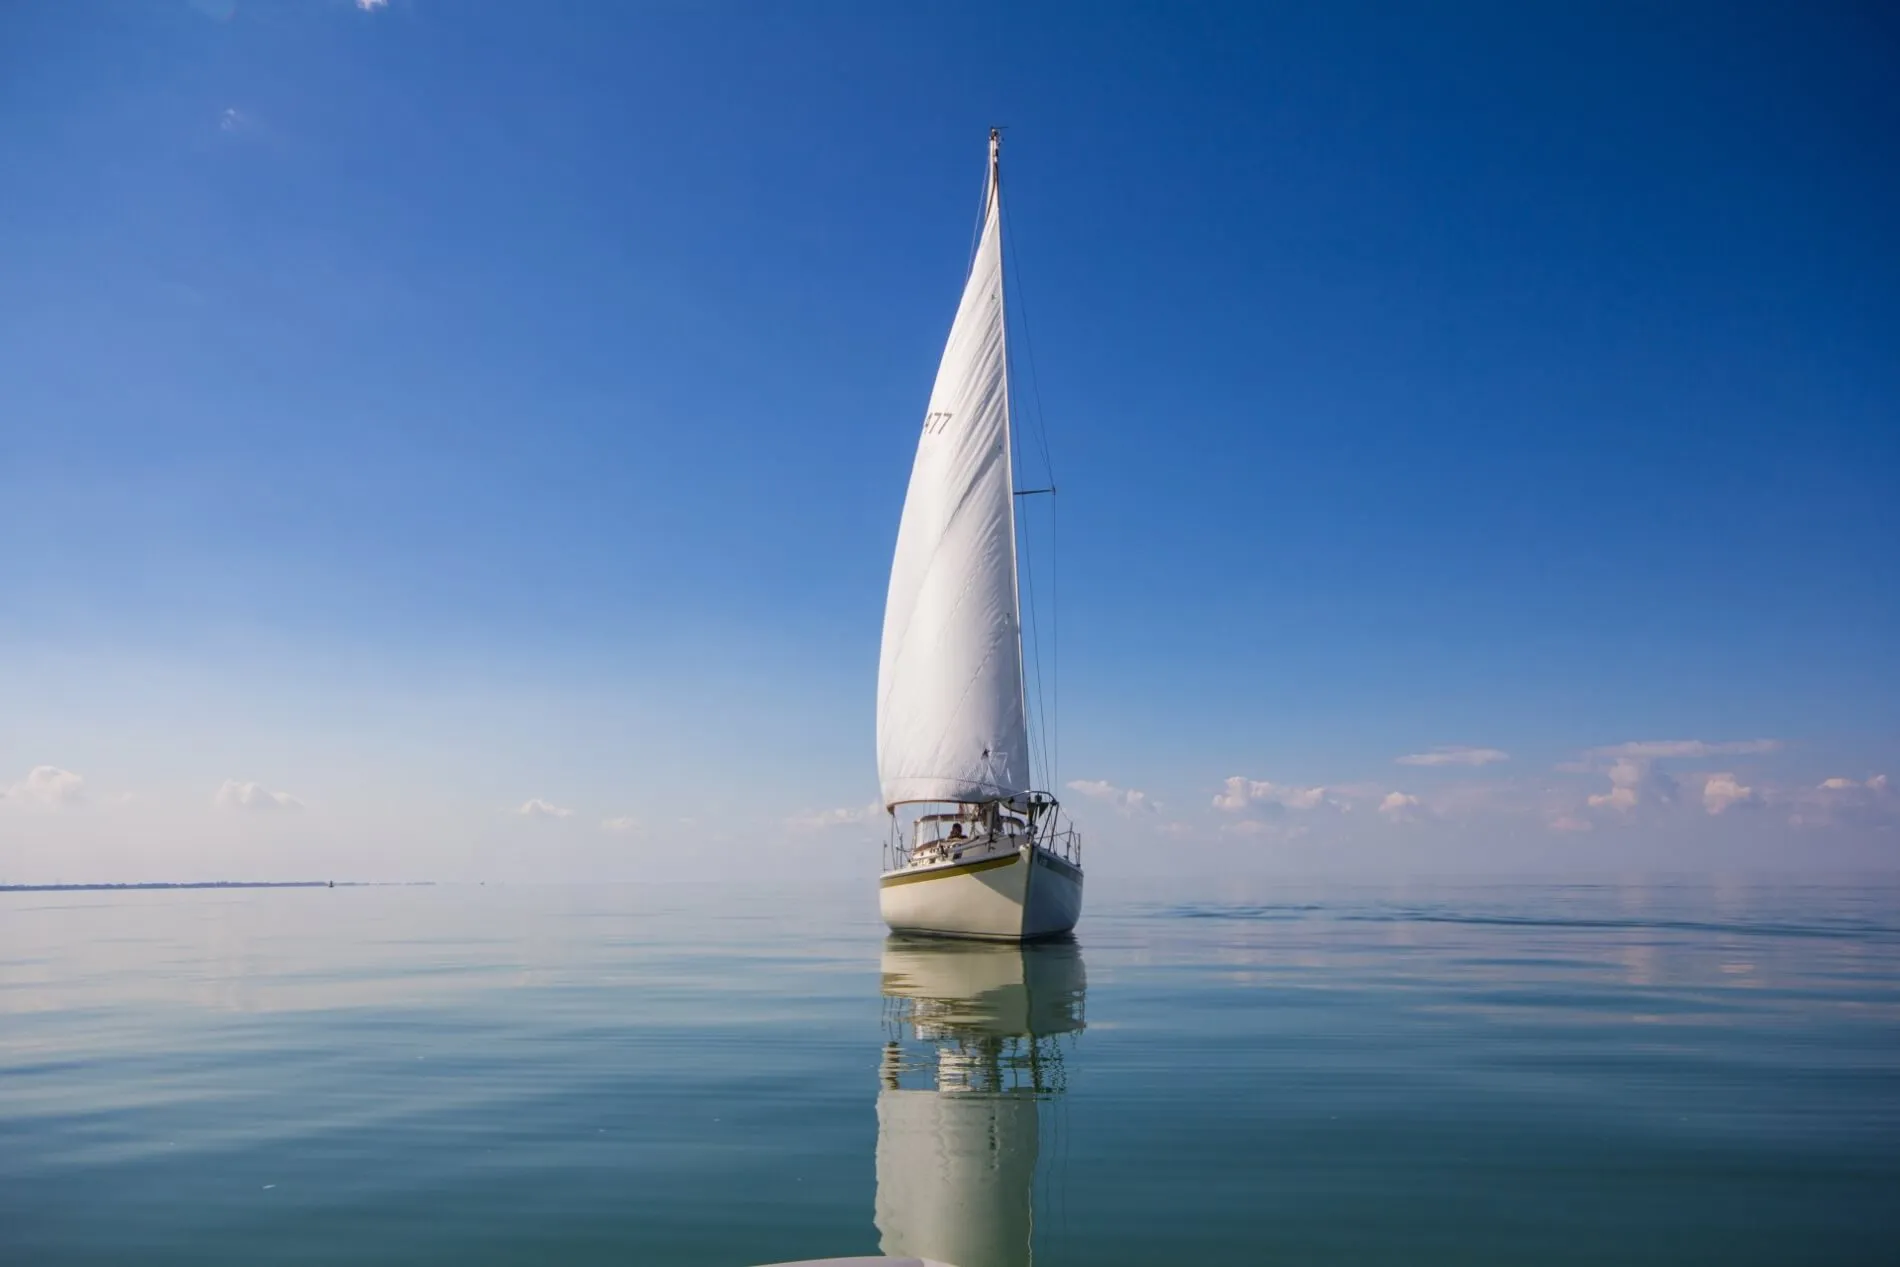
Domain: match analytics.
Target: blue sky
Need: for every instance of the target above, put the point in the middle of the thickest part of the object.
(417, 413)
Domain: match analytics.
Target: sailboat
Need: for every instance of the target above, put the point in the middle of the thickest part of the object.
(974, 849)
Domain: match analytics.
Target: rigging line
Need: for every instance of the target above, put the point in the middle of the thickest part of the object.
(1035, 650)
(982, 215)
(1026, 555)
(1013, 263)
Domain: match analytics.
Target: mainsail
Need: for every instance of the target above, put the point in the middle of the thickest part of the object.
(950, 721)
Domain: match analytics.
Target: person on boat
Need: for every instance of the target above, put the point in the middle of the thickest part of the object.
(956, 831)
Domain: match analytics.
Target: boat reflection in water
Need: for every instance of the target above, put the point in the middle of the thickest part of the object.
(975, 1048)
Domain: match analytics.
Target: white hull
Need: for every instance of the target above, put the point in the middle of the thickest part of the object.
(1016, 895)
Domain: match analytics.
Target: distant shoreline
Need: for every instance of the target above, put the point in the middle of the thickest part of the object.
(217, 884)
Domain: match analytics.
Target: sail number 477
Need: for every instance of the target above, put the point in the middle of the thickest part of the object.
(935, 423)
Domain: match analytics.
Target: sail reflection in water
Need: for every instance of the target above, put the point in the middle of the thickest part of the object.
(977, 1040)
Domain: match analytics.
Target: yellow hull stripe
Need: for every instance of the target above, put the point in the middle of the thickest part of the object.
(968, 868)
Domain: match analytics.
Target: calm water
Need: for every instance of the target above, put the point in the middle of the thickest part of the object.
(1654, 1073)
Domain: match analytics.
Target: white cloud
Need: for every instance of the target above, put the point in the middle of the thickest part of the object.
(1722, 793)
(370, 6)
(819, 820)
(620, 826)
(1125, 800)
(1398, 806)
(538, 808)
(1571, 823)
(1633, 782)
(1622, 799)
(47, 786)
(1649, 749)
(252, 796)
(1455, 756)
(1238, 794)
(1243, 792)
(1636, 781)
(1845, 802)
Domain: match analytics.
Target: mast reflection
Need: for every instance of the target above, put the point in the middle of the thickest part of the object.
(975, 1045)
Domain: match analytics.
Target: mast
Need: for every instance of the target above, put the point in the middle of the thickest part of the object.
(1009, 439)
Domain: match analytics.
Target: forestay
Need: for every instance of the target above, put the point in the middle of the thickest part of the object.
(950, 683)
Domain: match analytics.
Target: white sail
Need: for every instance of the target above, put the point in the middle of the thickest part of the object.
(950, 683)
